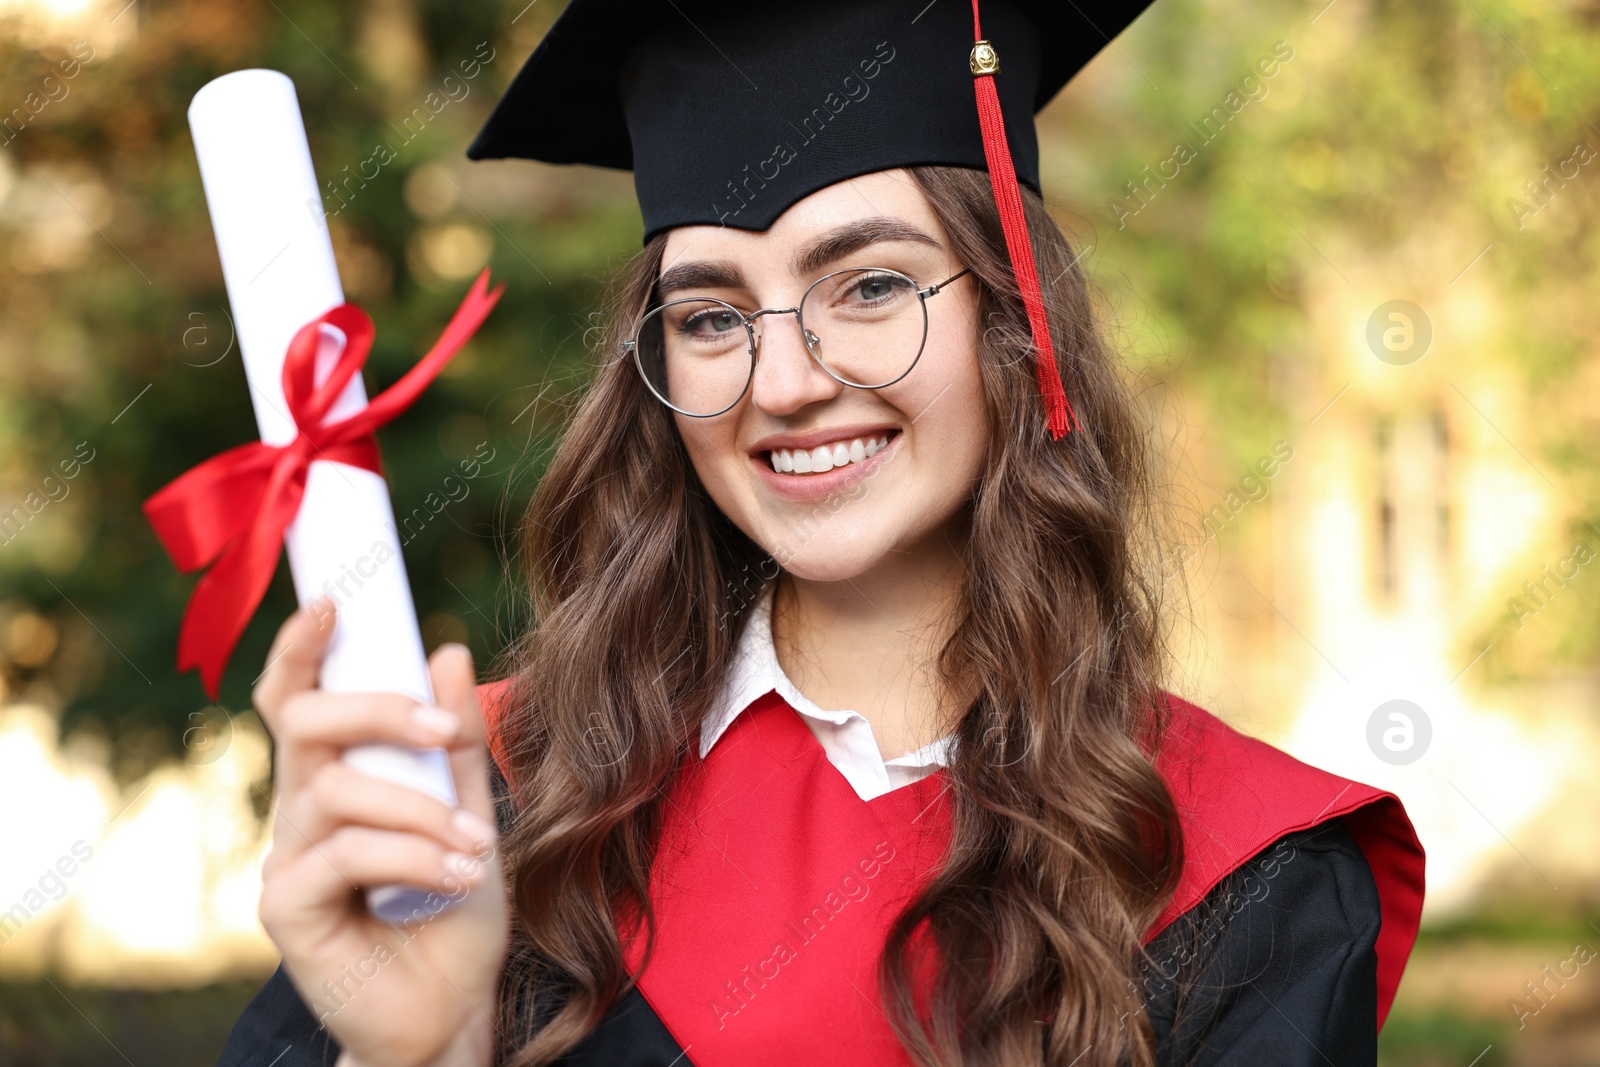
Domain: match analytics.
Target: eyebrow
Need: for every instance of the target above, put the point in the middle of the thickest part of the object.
(719, 275)
(826, 249)
(852, 237)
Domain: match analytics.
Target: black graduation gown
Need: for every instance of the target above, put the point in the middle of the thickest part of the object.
(1276, 965)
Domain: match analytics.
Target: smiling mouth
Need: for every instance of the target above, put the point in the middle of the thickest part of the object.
(823, 458)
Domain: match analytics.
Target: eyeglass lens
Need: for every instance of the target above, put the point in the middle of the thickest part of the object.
(865, 326)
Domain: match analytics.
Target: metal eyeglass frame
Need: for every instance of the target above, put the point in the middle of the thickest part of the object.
(811, 339)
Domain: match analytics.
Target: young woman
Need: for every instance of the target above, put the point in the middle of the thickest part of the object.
(840, 736)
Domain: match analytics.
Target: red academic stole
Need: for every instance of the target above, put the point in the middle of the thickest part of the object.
(773, 889)
(775, 884)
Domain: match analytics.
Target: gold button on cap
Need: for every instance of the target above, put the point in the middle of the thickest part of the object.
(983, 59)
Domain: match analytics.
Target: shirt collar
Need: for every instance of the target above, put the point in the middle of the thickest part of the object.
(756, 672)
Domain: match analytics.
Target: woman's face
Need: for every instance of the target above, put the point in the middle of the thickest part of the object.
(838, 523)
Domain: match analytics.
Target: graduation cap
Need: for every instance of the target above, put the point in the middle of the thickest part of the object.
(730, 112)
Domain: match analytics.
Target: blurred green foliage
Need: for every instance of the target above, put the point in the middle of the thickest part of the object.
(40, 1025)
(116, 331)
(1443, 1040)
(1357, 153)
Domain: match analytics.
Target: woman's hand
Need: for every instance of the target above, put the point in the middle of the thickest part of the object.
(400, 995)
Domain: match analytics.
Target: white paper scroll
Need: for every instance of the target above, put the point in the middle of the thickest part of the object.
(277, 261)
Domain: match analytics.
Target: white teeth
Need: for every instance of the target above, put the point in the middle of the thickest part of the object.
(826, 457)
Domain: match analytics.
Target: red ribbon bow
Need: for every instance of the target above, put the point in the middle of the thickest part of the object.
(231, 511)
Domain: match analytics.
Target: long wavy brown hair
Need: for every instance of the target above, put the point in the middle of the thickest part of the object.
(1065, 843)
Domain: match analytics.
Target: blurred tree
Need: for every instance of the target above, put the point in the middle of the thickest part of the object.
(1240, 173)
(117, 358)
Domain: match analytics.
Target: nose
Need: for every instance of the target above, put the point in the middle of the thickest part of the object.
(787, 378)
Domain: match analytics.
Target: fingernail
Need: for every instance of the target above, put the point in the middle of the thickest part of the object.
(475, 830)
(440, 723)
(322, 608)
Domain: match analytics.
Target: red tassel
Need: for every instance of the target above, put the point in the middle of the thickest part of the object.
(1008, 198)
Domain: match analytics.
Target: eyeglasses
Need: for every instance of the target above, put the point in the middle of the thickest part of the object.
(865, 326)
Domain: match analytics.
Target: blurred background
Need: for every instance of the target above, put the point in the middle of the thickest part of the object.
(1347, 250)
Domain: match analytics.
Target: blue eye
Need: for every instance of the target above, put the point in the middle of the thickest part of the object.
(874, 290)
(711, 321)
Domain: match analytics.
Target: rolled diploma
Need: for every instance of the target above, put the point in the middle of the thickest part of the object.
(277, 262)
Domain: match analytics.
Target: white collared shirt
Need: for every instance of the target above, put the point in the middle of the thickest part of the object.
(846, 736)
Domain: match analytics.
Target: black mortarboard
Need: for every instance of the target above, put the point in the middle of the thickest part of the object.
(731, 112)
